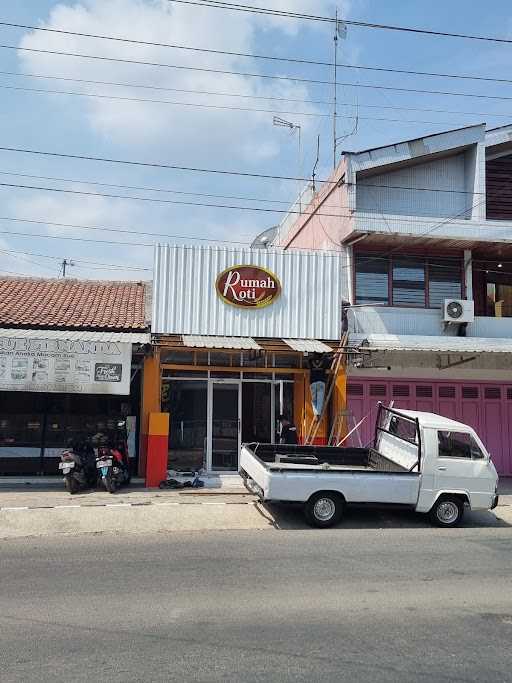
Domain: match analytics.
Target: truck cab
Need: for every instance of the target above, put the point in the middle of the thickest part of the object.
(455, 461)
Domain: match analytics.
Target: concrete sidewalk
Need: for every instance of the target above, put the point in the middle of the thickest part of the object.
(42, 508)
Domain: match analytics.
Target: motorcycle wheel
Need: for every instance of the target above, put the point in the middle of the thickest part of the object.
(109, 483)
(71, 484)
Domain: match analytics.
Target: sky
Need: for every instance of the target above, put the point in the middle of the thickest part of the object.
(112, 237)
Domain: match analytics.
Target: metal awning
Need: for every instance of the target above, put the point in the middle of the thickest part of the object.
(208, 342)
(76, 335)
(403, 342)
(308, 345)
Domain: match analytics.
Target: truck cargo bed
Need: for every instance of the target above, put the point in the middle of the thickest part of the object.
(277, 457)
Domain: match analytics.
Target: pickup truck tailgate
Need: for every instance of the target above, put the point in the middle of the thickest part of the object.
(256, 470)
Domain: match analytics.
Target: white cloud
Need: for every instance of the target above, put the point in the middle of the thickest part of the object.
(69, 210)
(176, 129)
(185, 136)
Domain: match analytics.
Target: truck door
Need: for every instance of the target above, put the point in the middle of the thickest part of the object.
(461, 464)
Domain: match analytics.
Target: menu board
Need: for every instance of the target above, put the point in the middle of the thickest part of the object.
(65, 366)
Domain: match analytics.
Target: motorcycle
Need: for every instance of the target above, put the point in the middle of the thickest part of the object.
(112, 463)
(77, 466)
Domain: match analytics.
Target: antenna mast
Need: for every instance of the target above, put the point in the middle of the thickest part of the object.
(334, 115)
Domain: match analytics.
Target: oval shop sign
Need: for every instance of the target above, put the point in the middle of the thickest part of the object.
(248, 286)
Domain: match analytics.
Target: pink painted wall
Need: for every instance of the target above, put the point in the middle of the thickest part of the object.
(326, 220)
(485, 406)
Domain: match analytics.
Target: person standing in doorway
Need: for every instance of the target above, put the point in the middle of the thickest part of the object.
(318, 366)
(287, 431)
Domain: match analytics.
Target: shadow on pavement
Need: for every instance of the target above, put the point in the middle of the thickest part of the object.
(289, 516)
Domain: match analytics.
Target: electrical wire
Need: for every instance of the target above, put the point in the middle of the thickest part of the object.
(121, 266)
(145, 188)
(201, 204)
(273, 58)
(197, 105)
(150, 164)
(251, 97)
(115, 229)
(349, 22)
(295, 79)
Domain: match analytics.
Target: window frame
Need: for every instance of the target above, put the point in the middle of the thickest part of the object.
(428, 263)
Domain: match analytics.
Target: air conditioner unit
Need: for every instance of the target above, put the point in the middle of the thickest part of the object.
(458, 311)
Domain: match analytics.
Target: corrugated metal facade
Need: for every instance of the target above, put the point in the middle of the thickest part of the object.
(185, 300)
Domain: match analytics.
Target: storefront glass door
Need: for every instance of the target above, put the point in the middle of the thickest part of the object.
(224, 425)
(257, 421)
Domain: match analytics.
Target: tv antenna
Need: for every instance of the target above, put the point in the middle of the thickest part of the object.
(278, 121)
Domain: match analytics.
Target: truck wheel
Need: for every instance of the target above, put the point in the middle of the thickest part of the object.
(324, 509)
(447, 511)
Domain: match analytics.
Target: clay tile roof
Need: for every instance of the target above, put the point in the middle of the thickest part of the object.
(72, 304)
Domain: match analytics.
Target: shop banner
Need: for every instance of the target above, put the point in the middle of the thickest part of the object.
(65, 366)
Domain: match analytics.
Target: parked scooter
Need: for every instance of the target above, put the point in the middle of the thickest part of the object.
(78, 467)
(112, 460)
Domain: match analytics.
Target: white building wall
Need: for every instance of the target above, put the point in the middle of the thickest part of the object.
(382, 193)
(422, 321)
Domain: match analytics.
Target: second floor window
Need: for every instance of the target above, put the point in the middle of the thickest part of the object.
(407, 281)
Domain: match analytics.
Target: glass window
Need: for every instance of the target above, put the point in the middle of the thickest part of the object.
(256, 412)
(408, 282)
(458, 445)
(371, 280)
(404, 429)
(445, 282)
(186, 402)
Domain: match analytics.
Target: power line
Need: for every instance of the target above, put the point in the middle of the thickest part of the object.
(371, 86)
(145, 188)
(255, 97)
(121, 266)
(161, 88)
(250, 97)
(361, 24)
(362, 184)
(256, 75)
(163, 65)
(258, 209)
(273, 58)
(116, 229)
(149, 164)
(196, 105)
(15, 272)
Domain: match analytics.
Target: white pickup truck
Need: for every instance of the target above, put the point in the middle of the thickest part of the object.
(421, 461)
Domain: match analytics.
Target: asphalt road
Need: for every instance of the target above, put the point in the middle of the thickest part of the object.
(413, 604)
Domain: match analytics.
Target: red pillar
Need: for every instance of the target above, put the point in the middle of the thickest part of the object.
(157, 449)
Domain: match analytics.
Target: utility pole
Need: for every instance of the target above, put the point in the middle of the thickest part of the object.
(65, 263)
